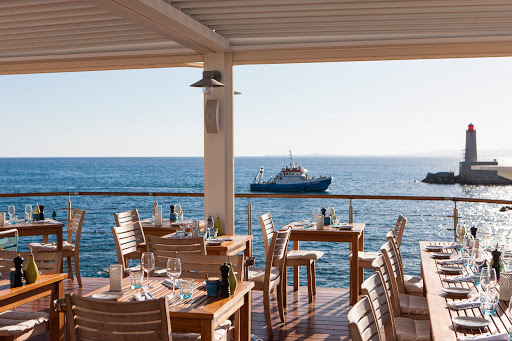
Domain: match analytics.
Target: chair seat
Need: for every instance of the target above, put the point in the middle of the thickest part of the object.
(413, 285)
(410, 304)
(39, 247)
(412, 330)
(221, 334)
(304, 254)
(17, 323)
(257, 275)
(366, 256)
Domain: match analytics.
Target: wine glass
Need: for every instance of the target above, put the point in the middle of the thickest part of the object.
(316, 212)
(28, 211)
(11, 210)
(147, 262)
(173, 270)
(210, 224)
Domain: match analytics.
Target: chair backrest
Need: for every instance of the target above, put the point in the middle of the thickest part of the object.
(391, 237)
(9, 240)
(399, 229)
(276, 255)
(128, 217)
(92, 319)
(75, 228)
(198, 266)
(126, 239)
(48, 262)
(362, 322)
(394, 266)
(374, 288)
(165, 248)
(379, 265)
(267, 230)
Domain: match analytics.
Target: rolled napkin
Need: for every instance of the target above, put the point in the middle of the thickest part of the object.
(464, 304)
(450, 261)
(461, 278)
(139, 297)
(482, 337)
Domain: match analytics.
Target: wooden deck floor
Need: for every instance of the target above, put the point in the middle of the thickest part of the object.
(324, 319)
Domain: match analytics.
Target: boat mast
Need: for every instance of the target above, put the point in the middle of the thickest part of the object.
(291, 158)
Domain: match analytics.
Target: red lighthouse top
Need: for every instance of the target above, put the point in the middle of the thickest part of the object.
(471, 127)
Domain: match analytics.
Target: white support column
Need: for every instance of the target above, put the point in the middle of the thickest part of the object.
(219, 177)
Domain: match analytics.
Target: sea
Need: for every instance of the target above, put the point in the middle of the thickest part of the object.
(426, 220)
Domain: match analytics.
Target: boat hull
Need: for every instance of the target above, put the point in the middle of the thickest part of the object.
(307, 186)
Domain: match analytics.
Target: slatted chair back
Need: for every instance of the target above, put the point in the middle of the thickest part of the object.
(276, 257)
(75, 228)
(373, 287)
(9, 240)
(267, 229)
(165, 248)
(91, 319)
(362, 322)
(379, 265)
(48, 262)
(126, 239)
(200, 266)
(394, 266)
(391, 237)
(399, 229)
(126, 218)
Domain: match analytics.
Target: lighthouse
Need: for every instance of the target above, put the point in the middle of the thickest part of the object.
(470, 151)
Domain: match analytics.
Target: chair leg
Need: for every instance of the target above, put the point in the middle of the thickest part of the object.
(266, 311)
(280, 304)
(77, 270)
(310, 284)
(313, 277)
(295, 278)
(70, 268)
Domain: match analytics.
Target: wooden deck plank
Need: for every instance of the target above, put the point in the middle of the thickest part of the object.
(324, 319)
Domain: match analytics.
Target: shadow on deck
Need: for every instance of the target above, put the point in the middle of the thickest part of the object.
(324, 319)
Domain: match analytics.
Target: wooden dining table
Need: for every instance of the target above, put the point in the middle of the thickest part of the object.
(39, 228)
(167, 227)
(353, 234)
(442, 327)
(200, 313)
(45, 285)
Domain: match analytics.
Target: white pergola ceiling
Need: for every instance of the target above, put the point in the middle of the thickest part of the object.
(73, 35)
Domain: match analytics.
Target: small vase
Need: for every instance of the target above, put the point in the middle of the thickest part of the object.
(31, 270)
(232, 280)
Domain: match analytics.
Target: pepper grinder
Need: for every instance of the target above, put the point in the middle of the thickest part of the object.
(496, 262)
(224, 282)
(18, 275)
(473, 231)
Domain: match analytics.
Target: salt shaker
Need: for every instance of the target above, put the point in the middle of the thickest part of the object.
(116, 277)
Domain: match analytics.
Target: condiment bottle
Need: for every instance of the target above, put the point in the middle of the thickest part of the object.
(232, 279)
(218, 225)
(36, 213)
(31, 270)
(173, 215)
(18, 275)
(41, 214)
(224, 282)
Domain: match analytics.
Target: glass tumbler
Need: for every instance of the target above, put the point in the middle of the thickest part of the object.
(186, 286)
(136, 276)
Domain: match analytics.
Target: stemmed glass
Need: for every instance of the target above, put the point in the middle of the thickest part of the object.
(173, 270)
(147, 262)
(11, 210)
(28, 211)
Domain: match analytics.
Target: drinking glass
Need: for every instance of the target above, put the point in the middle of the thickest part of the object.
(136, 276)
(186, 286)
(13, 219)
(486, 235)
(11, 210)
(210, 223)
(28, 210)
(147, 262)
(489, 303)
(488, 278)
(173, 270)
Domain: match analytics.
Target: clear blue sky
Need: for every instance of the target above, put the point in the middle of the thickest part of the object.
(352, 108)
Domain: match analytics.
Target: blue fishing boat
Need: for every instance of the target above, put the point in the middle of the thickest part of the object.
(291, 179)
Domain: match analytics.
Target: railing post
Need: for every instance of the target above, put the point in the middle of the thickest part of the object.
(455, 220)
(249, 224)
(350, 213)
(68, 211)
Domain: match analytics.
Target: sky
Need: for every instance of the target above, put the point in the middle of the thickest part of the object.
(385, 108)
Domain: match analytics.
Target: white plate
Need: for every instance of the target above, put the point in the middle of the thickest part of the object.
(470, 322)
(433, 248)
(108, 295)
(459, 292)
(442, 255)
(451, 269)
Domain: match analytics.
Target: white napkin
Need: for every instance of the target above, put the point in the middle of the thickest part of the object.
(482, 337)
(450, 261)
(464, 304)
(168, 283)
(461, 278)
(452, 246)
(139, 297)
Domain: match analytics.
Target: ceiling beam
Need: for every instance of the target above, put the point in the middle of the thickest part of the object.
(162, 18)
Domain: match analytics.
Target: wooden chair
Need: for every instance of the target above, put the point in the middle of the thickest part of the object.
(415, 307)
(126, 218)
(126, 238)
(399, 229)
(362, 322)
(294, 258)
(92, 319)
(165, 248)
(199, 266)
(395, 328)
(70, 247)
(367, 257)
(273, 275)
(411, 285)
(9, 240)
(21, 325)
